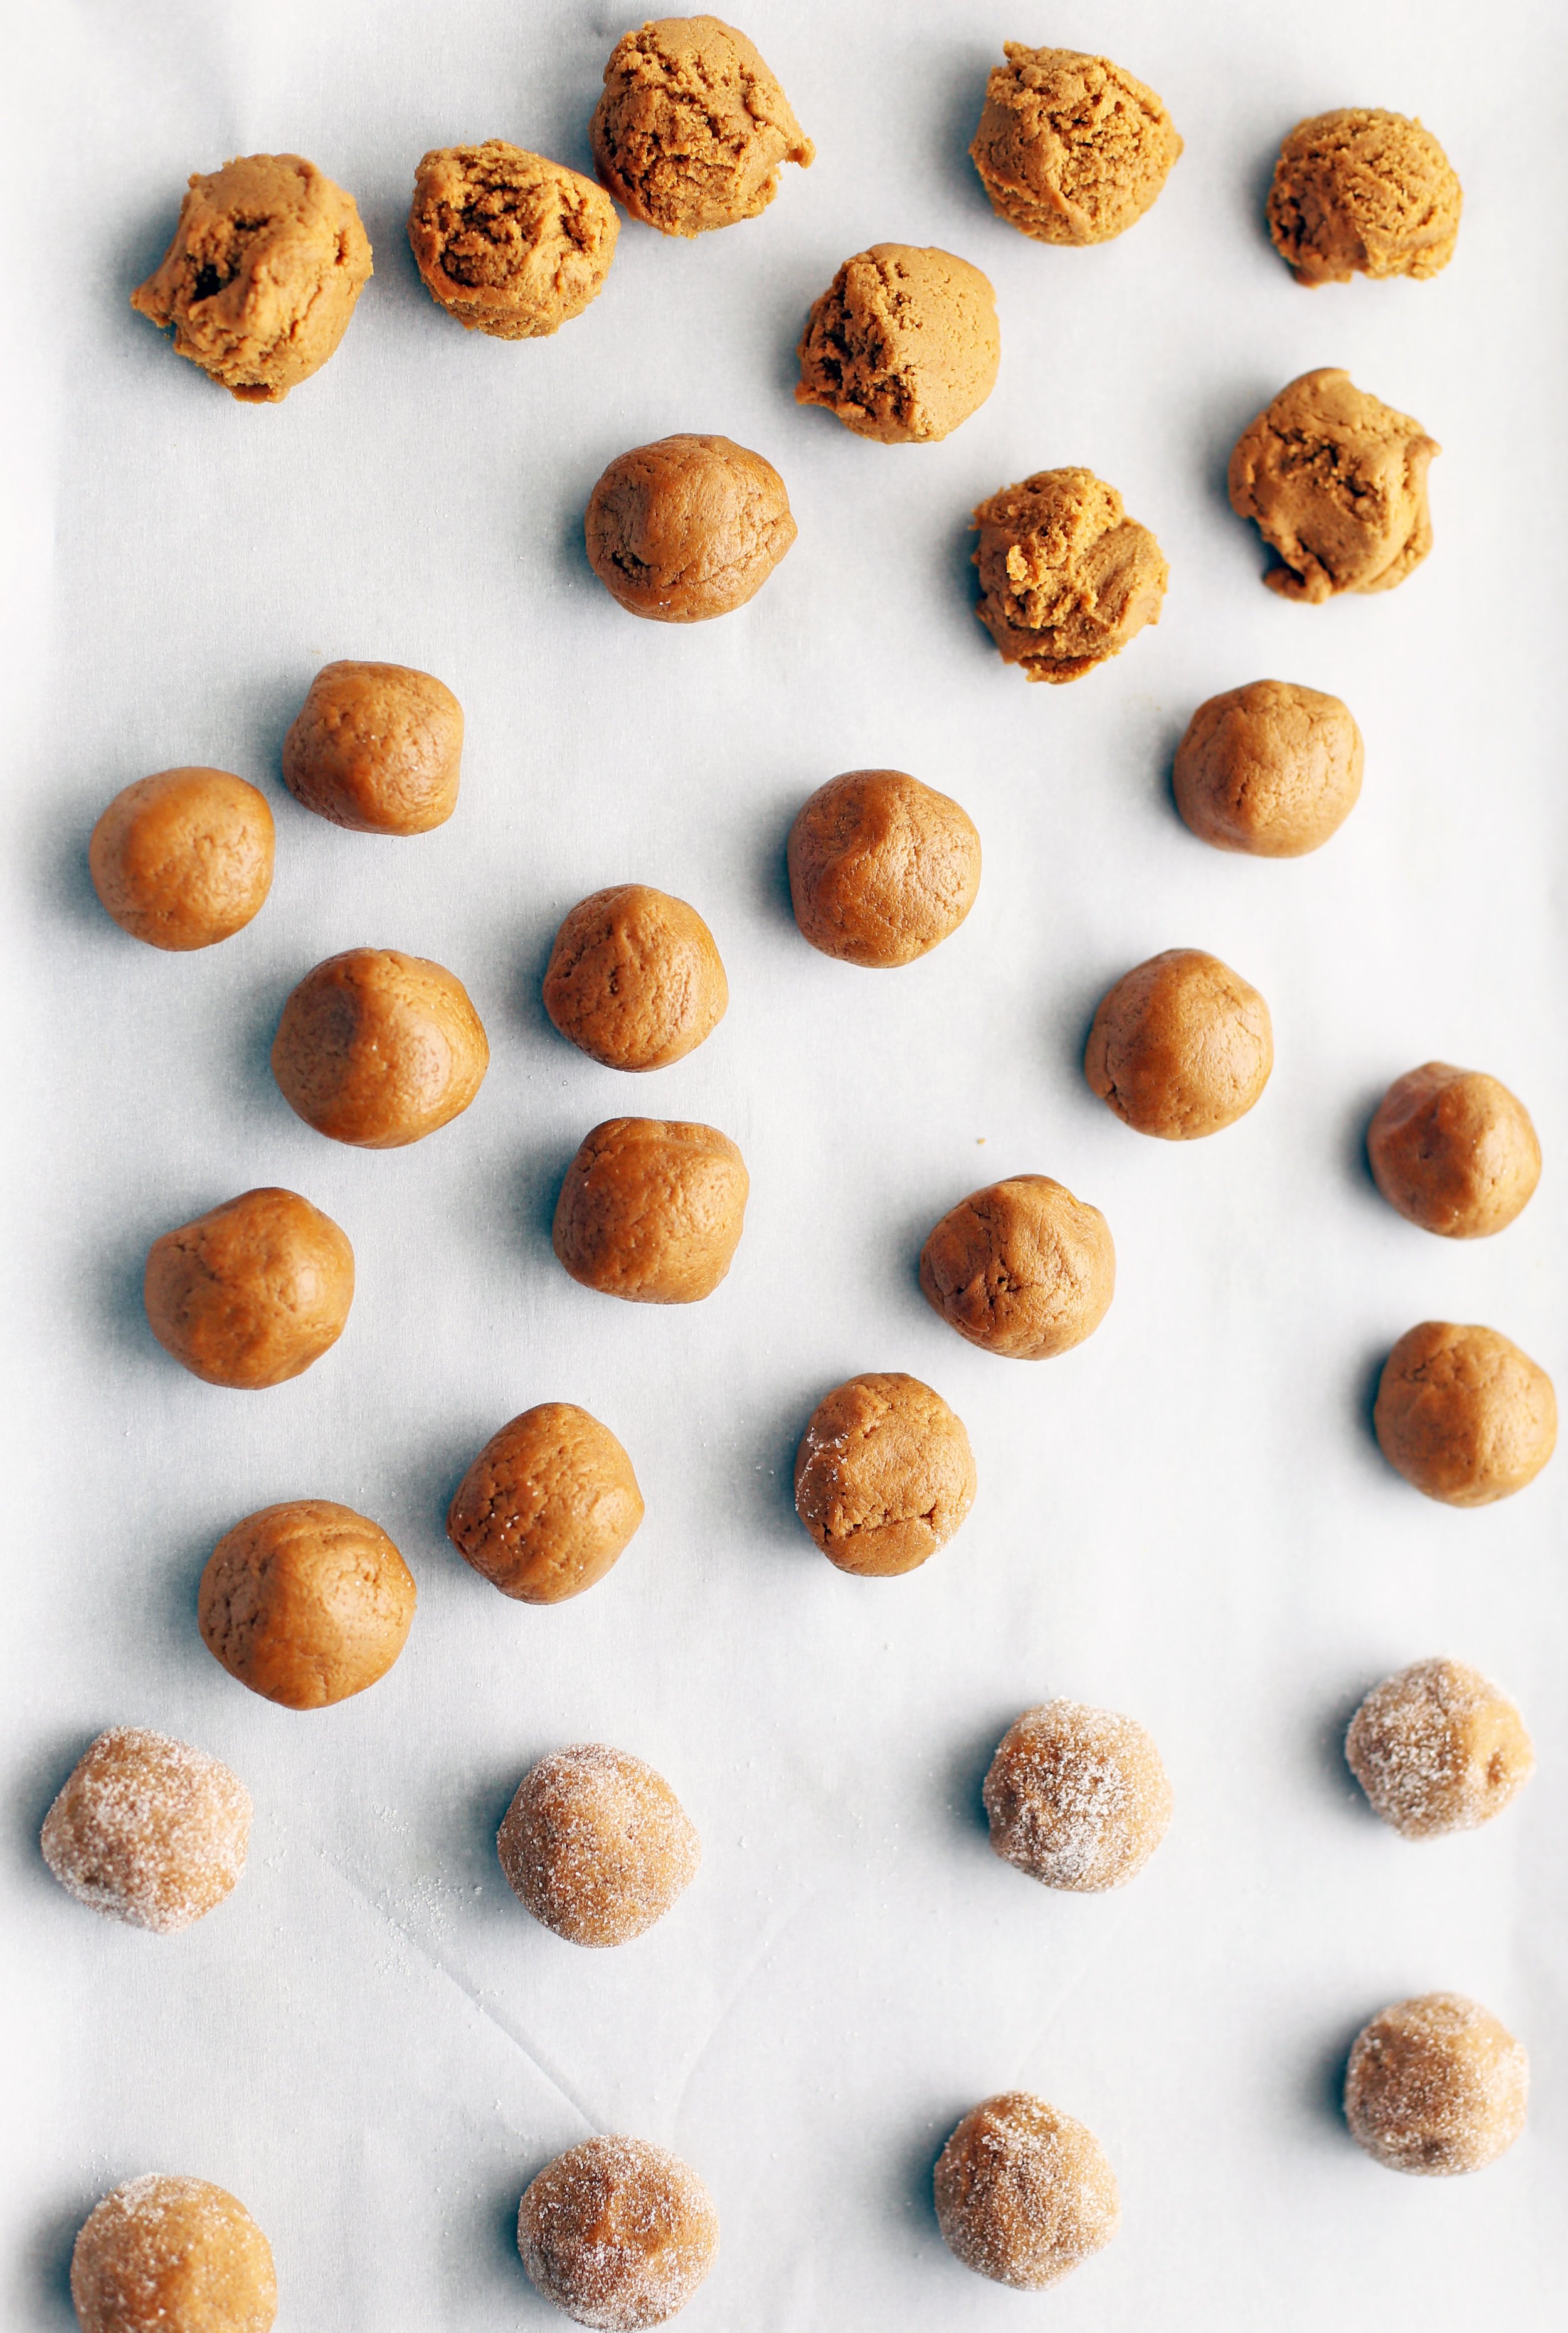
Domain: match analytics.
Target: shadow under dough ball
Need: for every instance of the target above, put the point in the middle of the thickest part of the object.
(1067, 578)
(1181, 1047)
(1436, 2085)
(168, 2254)
(252, 1292)
(1439, 1748)
(1076, 1797)
(597, 1846)
(617, 2233)
(635, 979)
(687, 528)
(692, 126)
(548, 1505)
(1270, 768)
(881, 868)
(1071, 149)
(651, 1210)
(884, 1475)
(184, 858)
(1022, 1268)
(306, 1603)
(1024, 2195)
(378, 1049)
(1453, 1151)
(1363, 192)
(377, 748)
(148, 1830)
(1463, 1414)
(1337, 483)
(903, 346)
(508, 243)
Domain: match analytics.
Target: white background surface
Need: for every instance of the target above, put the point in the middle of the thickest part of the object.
(1187, 1519)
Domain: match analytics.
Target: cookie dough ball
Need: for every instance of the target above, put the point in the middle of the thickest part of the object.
(1067, 578)
(1337, 483)
(1021, 1268)
(1454, 1151)
(509, 243)
(1070, 149)
(267, 262)
(184, 859)
(597, 1846)
(1363, 192)
(306, 1603)
(379, 1048)
(377, 747)
(903, 345)
(1181, 1047)
(692, 126)
(548, 1505)
(1439, 1748)
(635, 979)
(1436, 2085)
(252, 1292)
(884, 1475)
(1024, 2195)
(881, 868)
(687, 528)
(652, 1209)
(1272, 768)
(148, 1830)
(165, 2255)
(1077, 1797)
(1463, 1414)
(617, 2233)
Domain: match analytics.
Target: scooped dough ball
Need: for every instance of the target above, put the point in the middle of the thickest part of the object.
(1024, 2195)
(617, 2233)
(252, 1292)
(687, 528)
(881, 868)
(377, 747)
(1070, 149)
(1360, 191)
(306, 1603)
(184, 859)
(267, 262)
(1271, 768)
(903, 345)
(379, 1048)
(1181, 1047)
(692, 126)
(635, 979)
(1067, 578)
(884, 1475)
(597, 1846)
(165, 2255)
(1077, 1797)
(1463, 1414)
(509, 243)
(1439, 1748)
(1337, 483)
(548, 1505)
(1021, 1268)
(1454, 1151)
(652, 1209)
(148, 1830)
(1436, 2085)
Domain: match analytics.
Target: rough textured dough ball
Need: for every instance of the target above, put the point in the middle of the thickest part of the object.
(1271, 768)
(166, 2254)
(1024, 2195)
(884, 1475)
(377, 748)
(1360, 191)
(1439, 1748)
(635, 978)
(1463, 1414)
(1454, 1151)
(1070, 149)
(252, 1292)
(184, 859)
(687, 528)
(379, 1048)
(148, 1830)
(617, 2233)
(548, 1505)
(881, 868)
(508, 243)
(1021, 1268)
(652, 1209)
(1067, 578)
(597, 1846)
(1337, 483)
(1077, 1797)
(1181, 1047)
(903, 345)
(1436, 2085)
(267, 262)
(691, 126)
(306, 1603)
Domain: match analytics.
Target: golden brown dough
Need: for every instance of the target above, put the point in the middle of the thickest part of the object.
(635, 978)
(1070, 148)
(184, 858)
(148, 1830)
(305, 1603)
(168, 2254)
(1360, 191)
(903, 346)
(1463, 1414)
(508, 243)
(1437, 1748)
(617, 2233)
(884, 1475)
(1024, 2195)
(252, 1292)
(652, 1209)
(1077, 1798)
(377, 747)
(1021, 1268)
(691, 126)
(379, 1048)
(1181, 1047)
(687, 528)
(1436, 2085)
(881, 868)
(548, 1505)
(1067, 578)
(1271, 768)
(1337, 483)
(1454, 1151)
(597, 1846)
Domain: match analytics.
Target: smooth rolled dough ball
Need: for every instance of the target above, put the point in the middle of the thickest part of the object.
(548, 1505)
(903, 346)
(652, 1209)
(1271, 768)
(148, 1830)
(617, 2233)
(635, 978)
(508, 243)
(1181, 1047)
(184, 858)
(167, 2254)
(881, 868)
(1437, 1748)
(252, 1292)
(691, 126)
(306, 1603)
(1024, 2195)
(1077, 1797)
(1454, 1151)
(1463, 1414)
(687, 528)
(1436, 2085)
(1022, 1268)
(379, 1048)
(1360, 191)
(884, 1475)
(267, 262)
(597, 1846)
(1337, 483)
(1070, 148)
(1067, 578)
(377, 748)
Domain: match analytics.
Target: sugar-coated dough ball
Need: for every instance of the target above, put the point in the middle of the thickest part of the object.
(1067, 578)
(597, 1846)
(635, 978)
(1337, 483)
(267, 262)
(148, 1830)
(306, 1602)
(652, 1209)
(1070, 149)
(687, 528)
(252, 1292)
(1077, 1797)
(1463, 1414)
(691, 126)
(1454, 1151)
(884, 1475)
(1271, 768)
(508, 243)
(881, 868)
(1181, 1047)
(379, 1048)
(617, 2233)
(1024, 2195)
(1021, 1268)
(1360, 191)
(167, 2254)
(903, 345)
(1436, 2085)
(377, 747)
(1439, 1748)
(548, 1505)
(184, 859)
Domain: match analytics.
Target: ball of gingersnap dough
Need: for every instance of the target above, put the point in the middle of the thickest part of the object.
(881, 868)
(903, 346)
(1437, 1748)
(1337, 483)
(1360, 191)
(1463, 1414)
(652, 1209)
(635, 979)
(597, 1846)
(268, 260)
(252, 1292)
(1271, 768)
(377, 748)
(1077, 1797)
(548, 1505)
(617, 2233)
(1454, 1151)
(1022, 1268)
(691, 126)
(379, 1048)
(508, 243)
(148, 1830)
(1024, 2195)
(306, 1603)
(1436, 2085)
(1067, 578)
(687, 528)
(1070, 148)
(168, 2254)
(884, 1475)
(184, 858)
(1181, 1047)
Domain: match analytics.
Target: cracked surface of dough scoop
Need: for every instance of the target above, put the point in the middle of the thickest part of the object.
(1363, 192)
(1337, 483)
(687, 528)
(1067, 578)
(168, 2254)
(1022, 1268)
(903, 346)
(884, 1475)
(1024, 2195)
(1071, 149)
(691, 126)
(1436, 2085)
(508, 243)
(651, 1210)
